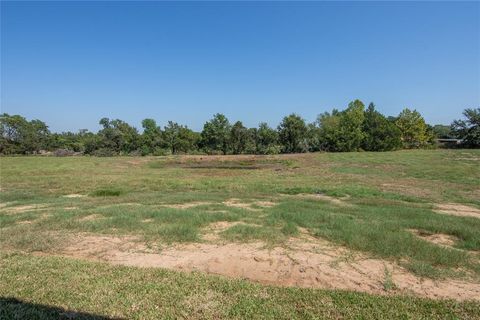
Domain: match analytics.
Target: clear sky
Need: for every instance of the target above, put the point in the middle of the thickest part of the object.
(71, 63)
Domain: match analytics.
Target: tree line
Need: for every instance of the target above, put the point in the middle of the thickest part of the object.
(353, 129)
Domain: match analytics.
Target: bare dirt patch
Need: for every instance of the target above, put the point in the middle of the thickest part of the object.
(186, 205)
(74, 195)
(324, 197)
(436, 238)
(91, 217)
(25, 222)
(237, 203)
(25, 208)
(456, 209)
(304, 262)
(468, 159)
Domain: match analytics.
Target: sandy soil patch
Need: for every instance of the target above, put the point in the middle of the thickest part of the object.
(91, 217)
(324, 197)
(187, 205)
(456, 209)
(436, 238)
(237, 203)
(25, 222)
(469, 159)
(25, 208)
(74, 195)
(303, 263)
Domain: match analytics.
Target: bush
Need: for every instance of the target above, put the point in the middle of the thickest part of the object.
(106, 192)
(161, 152)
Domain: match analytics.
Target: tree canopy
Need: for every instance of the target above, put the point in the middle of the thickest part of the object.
(352, 129)
(468, 129)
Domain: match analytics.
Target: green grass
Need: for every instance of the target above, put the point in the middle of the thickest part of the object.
(385, 195)
(65, 287)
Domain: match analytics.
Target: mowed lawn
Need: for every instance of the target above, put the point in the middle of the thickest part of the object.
(376, 204)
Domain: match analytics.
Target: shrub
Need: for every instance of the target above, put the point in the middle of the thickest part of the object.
(106, 192)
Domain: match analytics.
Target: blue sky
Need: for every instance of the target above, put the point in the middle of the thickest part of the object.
(71, 63)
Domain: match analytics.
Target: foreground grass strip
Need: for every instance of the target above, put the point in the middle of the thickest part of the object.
(50, 288)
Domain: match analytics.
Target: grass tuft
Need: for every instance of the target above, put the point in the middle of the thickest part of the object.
(106, 192)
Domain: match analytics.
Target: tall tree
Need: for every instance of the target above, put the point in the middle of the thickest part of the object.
(267, 140)
(239, 137)
(178, 138)
(351, 122)
(118, 136)
(216, 134)
(468, 129)
(292, 133)
(342, 131)
(329, 133)
(380, 134)
(21, 136)
(413, 129)
(151, 137)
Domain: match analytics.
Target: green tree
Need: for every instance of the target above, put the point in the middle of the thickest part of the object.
(292, 133)
(66, 140)
(266, 140)
(216, 134)
(19, 136)
(468, 129)
(239, 138)
(443, 132)
(380, 134)
(179, 138)
(413, 128)
(118, 136)
(351, 122)
(342, 131)
(151, 137)
(328, 132)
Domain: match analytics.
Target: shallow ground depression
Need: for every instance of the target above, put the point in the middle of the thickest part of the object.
(304, 261)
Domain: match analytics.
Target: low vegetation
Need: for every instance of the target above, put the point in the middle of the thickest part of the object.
(385, 207)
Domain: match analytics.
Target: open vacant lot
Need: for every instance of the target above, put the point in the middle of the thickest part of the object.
(341, 235)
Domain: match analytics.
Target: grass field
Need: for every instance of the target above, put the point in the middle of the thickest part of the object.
(398, 232)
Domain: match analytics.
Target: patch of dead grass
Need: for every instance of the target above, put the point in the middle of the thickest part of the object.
(186, 205)
(237, 203)
(456, 209)
(26, 208)
(92, 217)
(323, 197)
(74, 195)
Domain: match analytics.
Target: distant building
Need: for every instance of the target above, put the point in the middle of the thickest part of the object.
(449, 143)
